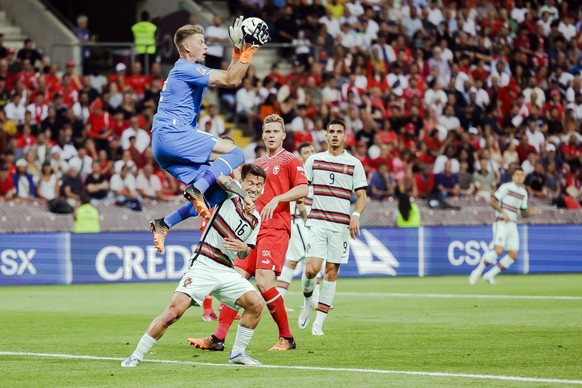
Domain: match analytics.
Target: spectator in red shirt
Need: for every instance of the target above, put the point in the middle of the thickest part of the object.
(480, 72)
(119, 123)
(98, 125)
(119, 76)
(6, 184)
(276, 76)
(26, 139)
(69, 91)
(524, 148)
(361, 153)
(52, 80)
(137, 80)
(28, 75)
(555, 102)
(424, 181)
(408, 138)
(571, 152)
(75, 78)
(38, 109)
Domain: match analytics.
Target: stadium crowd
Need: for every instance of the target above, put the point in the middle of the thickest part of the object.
(441, 98)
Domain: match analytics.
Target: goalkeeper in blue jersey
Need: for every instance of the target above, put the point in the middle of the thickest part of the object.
(178, 145)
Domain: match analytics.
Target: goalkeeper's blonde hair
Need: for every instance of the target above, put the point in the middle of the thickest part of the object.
(184, 33)
(274, 118)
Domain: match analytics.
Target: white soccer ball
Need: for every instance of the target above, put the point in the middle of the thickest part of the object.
(248, 26)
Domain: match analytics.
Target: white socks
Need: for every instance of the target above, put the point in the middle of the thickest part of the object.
(145, 344)
(285, 277)
(326, 297)
(489, 258)
(307, 284)
(504, 263)
(243, 337)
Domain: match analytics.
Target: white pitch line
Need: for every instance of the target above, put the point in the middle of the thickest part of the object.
(451, 296)
(311, 368)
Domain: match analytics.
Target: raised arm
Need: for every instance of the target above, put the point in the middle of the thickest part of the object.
(246, 43)
(230, 185)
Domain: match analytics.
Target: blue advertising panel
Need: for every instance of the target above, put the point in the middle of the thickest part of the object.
(383, 252)
(457, 250)
(27, 259)
(129, 257)
(555, 249)
(63, 258)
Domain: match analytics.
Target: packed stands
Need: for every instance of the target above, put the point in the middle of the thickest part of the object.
(435, 94)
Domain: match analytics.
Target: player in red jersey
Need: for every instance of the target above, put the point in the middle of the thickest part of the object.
(286, 182)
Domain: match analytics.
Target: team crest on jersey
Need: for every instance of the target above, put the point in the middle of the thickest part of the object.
(308, 247)
(202, 70)
(187, 282)
(276, 169)
(266, 253)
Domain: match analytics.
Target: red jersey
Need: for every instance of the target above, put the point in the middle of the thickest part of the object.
(6, 185)
(284, 172)
(138, 82)
(53, 84)
(98, 124)
(29, 79)
(25, 141)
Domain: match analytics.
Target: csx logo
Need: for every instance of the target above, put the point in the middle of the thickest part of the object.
(17, 262)
(469, 252)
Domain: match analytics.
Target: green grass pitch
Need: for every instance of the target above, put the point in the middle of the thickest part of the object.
(400, 332)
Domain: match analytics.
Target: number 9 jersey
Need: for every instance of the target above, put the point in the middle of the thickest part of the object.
(333, 179)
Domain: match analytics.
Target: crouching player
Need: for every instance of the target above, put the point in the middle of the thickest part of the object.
(230, 232)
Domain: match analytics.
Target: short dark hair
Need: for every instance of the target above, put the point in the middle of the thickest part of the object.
(85, 197)
(518, 168)
(303, 145)
(254, 170)
(336, 122)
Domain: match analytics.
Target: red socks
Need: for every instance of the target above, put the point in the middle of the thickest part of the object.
(276, 307)
(225, 320)
(207, 304)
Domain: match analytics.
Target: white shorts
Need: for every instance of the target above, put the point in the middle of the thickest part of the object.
(505, 235)
(297, 242)
(206, 276)
(329, 245)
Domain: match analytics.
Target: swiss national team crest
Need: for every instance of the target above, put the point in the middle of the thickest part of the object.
(276, 169)
(187, 282)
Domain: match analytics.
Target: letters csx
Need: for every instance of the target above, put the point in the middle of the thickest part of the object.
(469, 252)
(16, 262)
(131, 262)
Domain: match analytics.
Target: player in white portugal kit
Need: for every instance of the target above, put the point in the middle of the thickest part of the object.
(508, 200)
(231, 232)
(334, 175)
